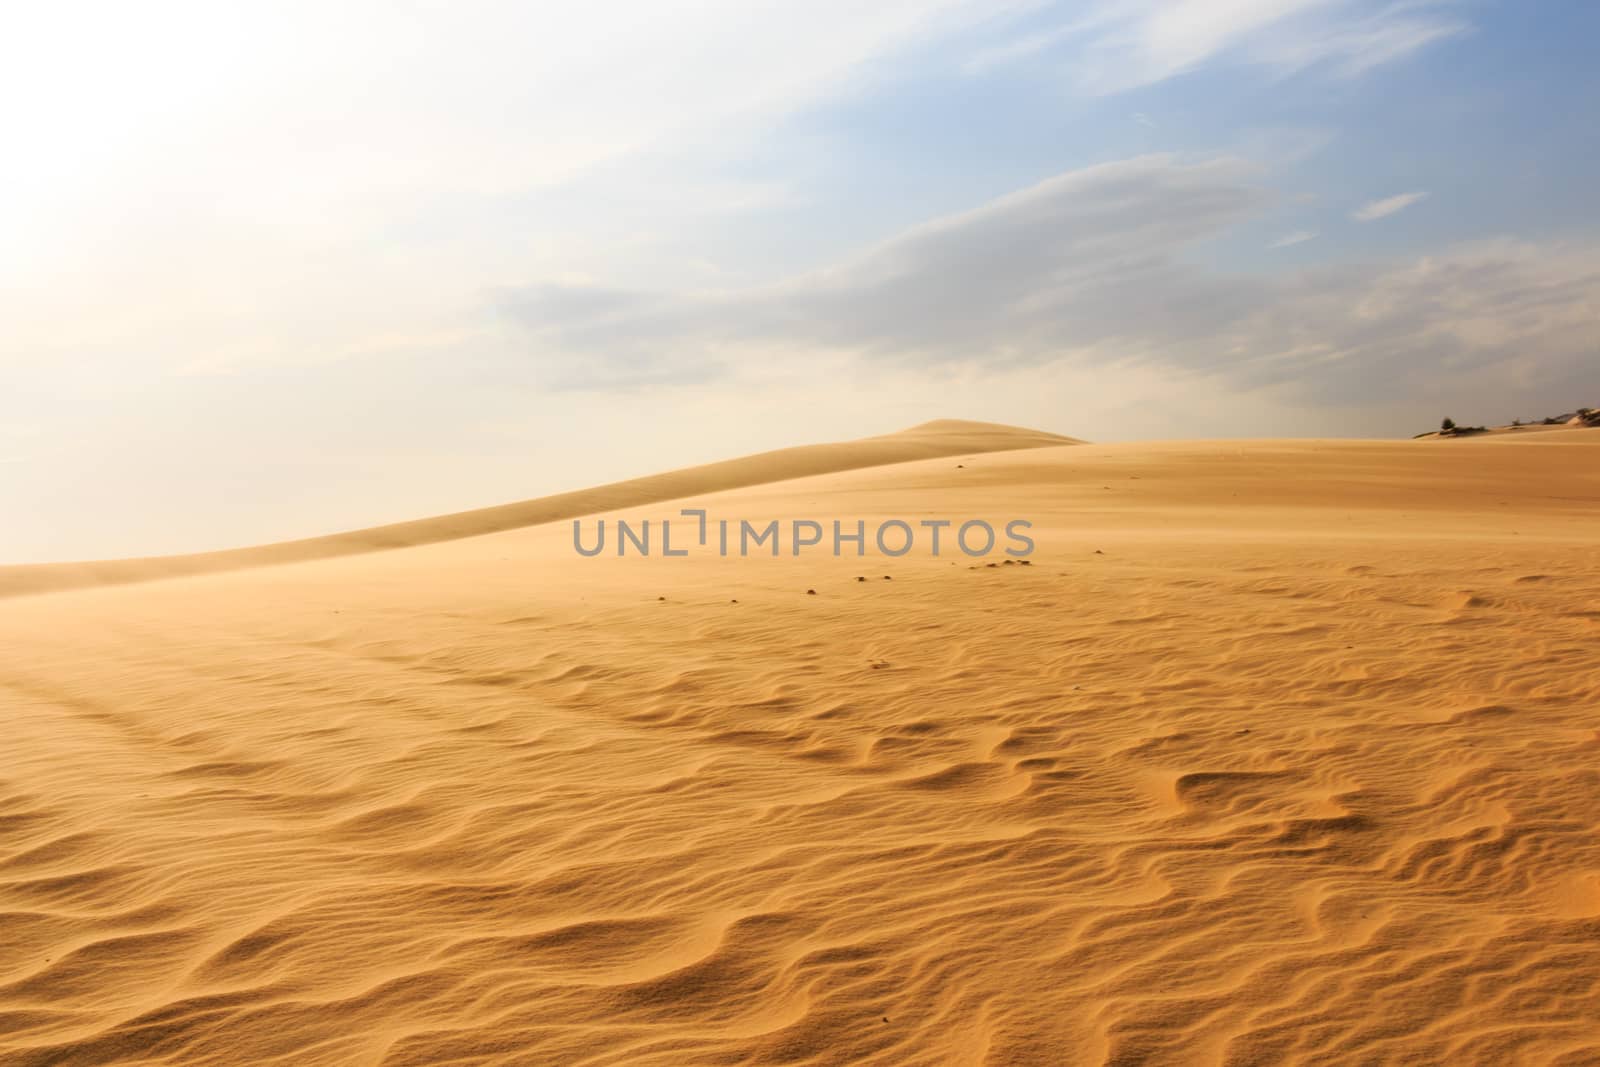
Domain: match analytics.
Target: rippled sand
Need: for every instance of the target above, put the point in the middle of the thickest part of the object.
(1276, 752)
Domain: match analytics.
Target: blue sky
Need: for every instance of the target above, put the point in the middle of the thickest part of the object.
(273, 270)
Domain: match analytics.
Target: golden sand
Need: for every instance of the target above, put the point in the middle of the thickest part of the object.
(1276, 752)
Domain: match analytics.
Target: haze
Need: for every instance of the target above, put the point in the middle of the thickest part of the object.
(278, 270)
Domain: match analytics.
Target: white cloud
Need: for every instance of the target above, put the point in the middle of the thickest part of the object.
(293, 182)
(1298, 237)
(997, 281)
(1096, 265)
(1117, 45)
(1352, 46)
(1382, 209)
(502, 94)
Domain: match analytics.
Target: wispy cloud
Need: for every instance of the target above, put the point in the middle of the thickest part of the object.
(1117, 45)
(1003, 280)
(1351, 46)
(1096, 264)
(1392, 205)
(1298, 237)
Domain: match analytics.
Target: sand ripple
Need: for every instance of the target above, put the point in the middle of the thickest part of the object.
(1198, 799)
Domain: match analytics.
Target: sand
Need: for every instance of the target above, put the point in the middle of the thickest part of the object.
(1276, 752)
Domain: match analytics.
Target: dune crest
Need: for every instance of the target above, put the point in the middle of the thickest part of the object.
(943, 437)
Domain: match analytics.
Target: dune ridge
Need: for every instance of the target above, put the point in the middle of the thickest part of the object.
(1276, 752)
(941, 437)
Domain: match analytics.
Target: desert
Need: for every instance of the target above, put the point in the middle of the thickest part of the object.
(1276, 751)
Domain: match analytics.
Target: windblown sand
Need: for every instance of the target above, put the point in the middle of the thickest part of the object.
(1277, 752)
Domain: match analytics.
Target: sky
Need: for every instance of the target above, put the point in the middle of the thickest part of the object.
(275, 270)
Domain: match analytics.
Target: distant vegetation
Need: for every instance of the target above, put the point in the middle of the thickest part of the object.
(1448, 427)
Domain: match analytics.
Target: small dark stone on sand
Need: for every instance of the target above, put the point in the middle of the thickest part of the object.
(887, 578)
(661, 598)
(1007, 562)
(811, 592)
(861, 577)
(1025, 562)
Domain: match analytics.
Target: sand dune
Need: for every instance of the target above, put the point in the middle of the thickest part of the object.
(942, 437)
(1275, 752)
